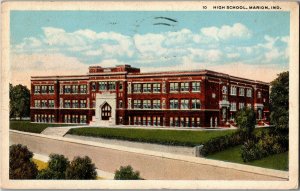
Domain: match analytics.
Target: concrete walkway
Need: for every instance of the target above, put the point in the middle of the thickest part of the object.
(56, 131)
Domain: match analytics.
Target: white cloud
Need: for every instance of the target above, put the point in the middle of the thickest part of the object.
(226, 32)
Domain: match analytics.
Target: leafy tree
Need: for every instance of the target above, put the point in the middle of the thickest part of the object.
(81, 169)
(279, 98)
(56, 169)
(20, 164)
(127, 173)
(246, 121)
(19, 103)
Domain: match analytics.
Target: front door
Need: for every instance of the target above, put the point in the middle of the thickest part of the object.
(105, 112)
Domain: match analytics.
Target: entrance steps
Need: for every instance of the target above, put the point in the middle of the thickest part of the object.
(56, 131)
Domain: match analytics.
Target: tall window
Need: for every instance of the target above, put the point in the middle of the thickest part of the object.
(111, 85)
(75, 104)
(259, 94)
(37, 103)
(82, 118)
(184, 86)
(102, 86)
(196, 87)
(67, 89)
(44, 89)
(241, 92)
(232, 106)
(51, 89)
(233, 90)
(184, 104)
(83, 89)
(83, 103)
(249, 105)
(249, 92)
(156, 104)
(67, 104)
(137, 104)
(137, 88)
(174, 87)
(146, 88)
(93, 86)
(146, 104)
(241, 105)
(37, 89)
(120, 104)
(120, 86)
(196, 104)
(51, 103)
(75, 89)
(44, 103)
(156, 88)
(174, 104)
(224, 90)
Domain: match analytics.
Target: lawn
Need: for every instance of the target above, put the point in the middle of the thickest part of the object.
(277, 161)
(27, 126)
(166, 137)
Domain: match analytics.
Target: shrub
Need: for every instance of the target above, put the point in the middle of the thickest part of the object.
(56, 169)
(246, 121)
(20, 164)
(127, 173)
(81, 169)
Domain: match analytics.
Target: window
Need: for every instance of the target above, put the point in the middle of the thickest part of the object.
(67, 89)
(74, 119)
(75, 104)
(213, 95)
(51, 89)
(149, 121)
(196, 87)
(82, 103)
(156, 88)
(83, 89)
(37, 89)
(146, 88)
(146, 104)
(173, 104)
(82, 118)
(137, 88)
(232, 106)
(44, 103)
(94, 104)
(67, 118)
(184, 104)
(174, 87)
(102, 86)
(75, 89)
(241, 92)
(176, 122)
(241, 105)
(249, 92)
(224, 90)
(51, 103)
(258, 94)
(233, 90)
(184, 87)
(120, 104)
(196, 104)
(93, 86)
(111, 85)
(182, 121)
(249, 105)
(44, 89)
(156, 104)
(51, 118)
(144, 120)
(120, 86)
(37, 103)
(154, 121)
(137, 104)
(67, 104)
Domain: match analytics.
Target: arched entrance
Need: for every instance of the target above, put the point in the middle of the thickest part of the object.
(105, 111)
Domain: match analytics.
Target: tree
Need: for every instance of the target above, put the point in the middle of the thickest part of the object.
(279, 99)
(20, 164)
(127, 173)
(81, 169)
(56, 169)
(19, 103)
(246, 121)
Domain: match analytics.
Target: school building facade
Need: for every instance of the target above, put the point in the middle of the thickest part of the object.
(123, 95)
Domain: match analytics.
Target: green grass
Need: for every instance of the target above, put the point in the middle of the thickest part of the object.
(277, 161)
(166, 137)
(32, 127)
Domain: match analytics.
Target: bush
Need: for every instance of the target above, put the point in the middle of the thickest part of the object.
(56, 169)
(81, 169)
(246, 121)
(20, 163)
(127, 173)
(221, 143)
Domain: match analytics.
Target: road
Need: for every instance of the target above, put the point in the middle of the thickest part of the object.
(150, 167)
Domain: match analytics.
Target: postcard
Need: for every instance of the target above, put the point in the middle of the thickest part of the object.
(149, 95)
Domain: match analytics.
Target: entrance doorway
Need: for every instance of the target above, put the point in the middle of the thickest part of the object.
(105, 112)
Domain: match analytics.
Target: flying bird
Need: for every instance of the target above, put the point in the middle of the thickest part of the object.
(167, 18)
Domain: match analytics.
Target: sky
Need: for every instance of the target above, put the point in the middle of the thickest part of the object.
(254, 45)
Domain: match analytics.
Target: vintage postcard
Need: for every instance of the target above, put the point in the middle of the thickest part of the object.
(149, 95)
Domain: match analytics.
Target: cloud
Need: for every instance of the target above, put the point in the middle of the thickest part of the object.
(227, 32)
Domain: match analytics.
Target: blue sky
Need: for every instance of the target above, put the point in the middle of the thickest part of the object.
(74, 40)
